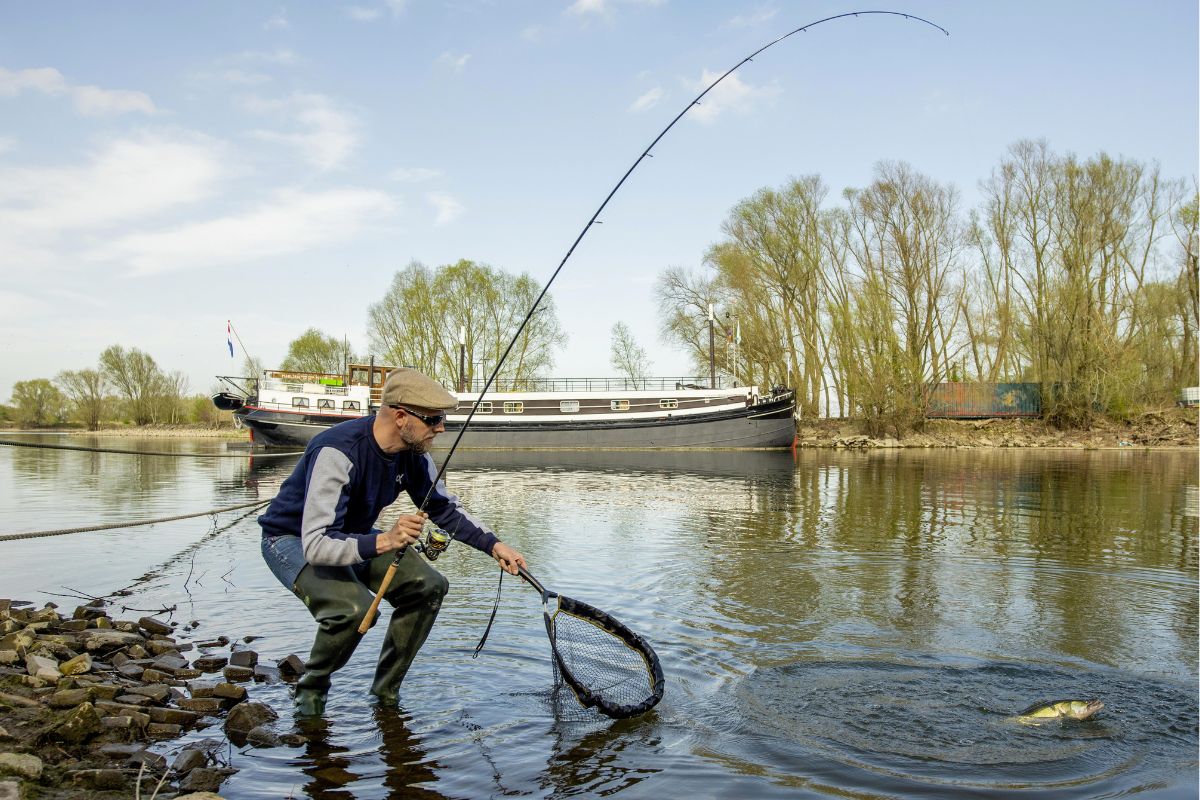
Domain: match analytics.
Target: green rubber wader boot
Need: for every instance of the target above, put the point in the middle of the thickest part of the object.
(337, 600)
(415, 594)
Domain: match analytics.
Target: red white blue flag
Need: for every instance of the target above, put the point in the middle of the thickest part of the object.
(229, 336)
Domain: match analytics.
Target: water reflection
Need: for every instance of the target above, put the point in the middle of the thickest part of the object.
(841, 624)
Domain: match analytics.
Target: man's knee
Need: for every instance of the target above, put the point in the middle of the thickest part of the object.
(333, 597)
(430, 586)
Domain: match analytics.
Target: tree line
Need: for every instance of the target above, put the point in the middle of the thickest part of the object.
(125, 386)
(1076, 274)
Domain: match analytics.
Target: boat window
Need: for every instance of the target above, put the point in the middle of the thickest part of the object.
(351, 405)
(484, 408)
(359, 376)
(299, 402)
(514, 408)
(668, 404)
(325, 402)
(377, 378)
(619, 405)
(569, 406)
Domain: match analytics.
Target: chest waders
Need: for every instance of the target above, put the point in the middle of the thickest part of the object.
(338, 597)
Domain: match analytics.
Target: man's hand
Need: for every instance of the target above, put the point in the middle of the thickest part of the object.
(508, 558)
(406, 531)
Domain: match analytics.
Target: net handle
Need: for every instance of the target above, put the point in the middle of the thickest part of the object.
(532, 581)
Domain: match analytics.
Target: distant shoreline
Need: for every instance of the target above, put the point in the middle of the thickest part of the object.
(1168, 429)
(142, 432)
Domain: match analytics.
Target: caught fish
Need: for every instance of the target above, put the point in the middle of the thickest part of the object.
(1059, 710)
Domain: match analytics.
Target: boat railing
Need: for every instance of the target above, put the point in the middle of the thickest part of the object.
(309, 388)
(598, 384)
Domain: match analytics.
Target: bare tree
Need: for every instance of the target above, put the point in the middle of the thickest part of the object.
(136, 376)
(85, 390)
(418, 323)
(628, 357)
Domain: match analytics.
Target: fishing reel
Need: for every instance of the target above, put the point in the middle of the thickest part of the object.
(436, 541)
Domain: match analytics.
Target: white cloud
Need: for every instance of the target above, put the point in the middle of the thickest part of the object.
(448, 208)
(583, 8)
(533, 33)
(455, 62)
(363, 14)
(88, 100)
(648, 100)
(757, 17)
(732, 94)
(241, 77)
(277, 20)
(328, 136)
(280, 55)
(292, 221)
(47, 213)
(127, 179)
(395, 6)
(7, 143)
(415, 174)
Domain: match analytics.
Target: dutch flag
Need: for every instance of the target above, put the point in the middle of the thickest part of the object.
(229, 336)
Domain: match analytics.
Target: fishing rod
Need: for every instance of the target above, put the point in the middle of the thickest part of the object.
(587, 227)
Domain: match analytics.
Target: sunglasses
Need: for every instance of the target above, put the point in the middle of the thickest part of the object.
(432, 421)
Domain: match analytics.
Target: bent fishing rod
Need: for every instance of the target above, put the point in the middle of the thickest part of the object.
(370, 615)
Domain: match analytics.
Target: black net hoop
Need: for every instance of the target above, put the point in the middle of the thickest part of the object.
(608, 666)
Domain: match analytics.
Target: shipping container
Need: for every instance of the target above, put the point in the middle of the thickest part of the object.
(983, 400)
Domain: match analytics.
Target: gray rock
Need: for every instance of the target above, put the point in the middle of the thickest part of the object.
(153, 626)
(238, 674)
(77, 666)
(203, 779)
(263, 736)
(10, 790)
(22, 765)
(170, 663)
(104, 640)
(78, 725)
(243, 658)
(156, 692)
(174, 716)
(69, 698)
(292, 666)
(164, 730)
(189, 759)
(42, 667)
(210, 663)
(99, 778)
(246, 716)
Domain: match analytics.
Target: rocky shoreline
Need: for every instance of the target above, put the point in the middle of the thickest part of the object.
(1174, 428)
(89, 705)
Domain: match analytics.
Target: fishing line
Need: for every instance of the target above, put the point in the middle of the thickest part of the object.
(593, 220)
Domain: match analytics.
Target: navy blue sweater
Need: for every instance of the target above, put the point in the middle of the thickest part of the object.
(342, 484)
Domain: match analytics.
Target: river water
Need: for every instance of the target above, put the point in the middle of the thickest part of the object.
(830, 625)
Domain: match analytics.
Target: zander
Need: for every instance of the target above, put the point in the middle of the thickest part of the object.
(1059, 710)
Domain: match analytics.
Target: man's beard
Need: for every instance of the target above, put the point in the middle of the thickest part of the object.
(416, 445)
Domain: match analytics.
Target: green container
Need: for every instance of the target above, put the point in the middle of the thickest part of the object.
(981, 400)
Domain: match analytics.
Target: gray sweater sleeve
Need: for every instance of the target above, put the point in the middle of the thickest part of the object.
(321, 534)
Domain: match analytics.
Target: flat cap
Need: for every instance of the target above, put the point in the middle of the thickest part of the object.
(407, 387)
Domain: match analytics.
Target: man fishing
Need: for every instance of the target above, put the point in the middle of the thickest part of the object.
(319, 539)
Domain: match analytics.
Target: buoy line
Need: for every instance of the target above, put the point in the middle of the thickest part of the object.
(8, 537)
(36, 445)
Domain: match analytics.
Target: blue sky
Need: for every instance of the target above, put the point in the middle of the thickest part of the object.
(167, 166)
